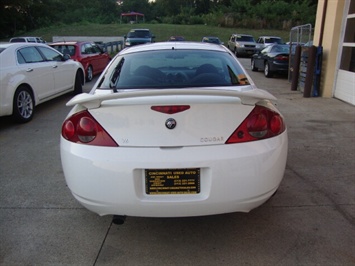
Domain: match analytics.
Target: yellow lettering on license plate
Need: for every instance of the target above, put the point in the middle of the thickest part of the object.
(172, 181)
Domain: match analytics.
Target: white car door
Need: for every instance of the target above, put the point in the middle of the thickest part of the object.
(63, 71)
(36, 71)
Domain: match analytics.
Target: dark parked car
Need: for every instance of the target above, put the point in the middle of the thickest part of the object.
(273, 58)
(212, 39)
(176, 39)
(138, 36)
(89, 54)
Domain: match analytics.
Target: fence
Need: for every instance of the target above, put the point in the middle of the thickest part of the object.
(111, 47)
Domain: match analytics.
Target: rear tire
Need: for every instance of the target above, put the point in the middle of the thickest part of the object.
(90, 74)
(236, 52)
(267, 71)
(253, 67)
(23, 105)
(78, 86)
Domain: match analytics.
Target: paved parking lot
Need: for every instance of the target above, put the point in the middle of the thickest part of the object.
(310, 221)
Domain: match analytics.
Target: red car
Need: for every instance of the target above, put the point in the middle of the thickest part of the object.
(89, 54)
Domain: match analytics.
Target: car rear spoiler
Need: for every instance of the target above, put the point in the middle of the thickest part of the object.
(247, 94)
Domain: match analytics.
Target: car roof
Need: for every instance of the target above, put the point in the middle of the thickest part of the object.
(139, 30)
(242, 34)
(278, 44)
(68, 43)
(21, 44)
(173, 46)
(26, 37)
(10, 47)
(266, 36)
(5, 45)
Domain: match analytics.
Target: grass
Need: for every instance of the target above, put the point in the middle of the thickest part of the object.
(161, 31)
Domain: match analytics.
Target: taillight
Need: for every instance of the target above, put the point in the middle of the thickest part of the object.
(261, 123)
(83, 128)
(281, 58)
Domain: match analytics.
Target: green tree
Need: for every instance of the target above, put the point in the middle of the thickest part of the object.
(203, 6)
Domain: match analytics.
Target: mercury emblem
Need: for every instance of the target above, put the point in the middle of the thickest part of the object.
(170, 123)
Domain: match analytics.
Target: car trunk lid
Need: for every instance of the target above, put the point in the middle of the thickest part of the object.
(172, 118)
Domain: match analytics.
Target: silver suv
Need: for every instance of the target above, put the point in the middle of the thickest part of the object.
(243, 45)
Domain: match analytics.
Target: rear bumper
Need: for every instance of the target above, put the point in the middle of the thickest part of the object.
(279, 67)
(234, 178)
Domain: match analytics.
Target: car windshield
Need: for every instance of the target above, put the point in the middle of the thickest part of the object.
(2, 49)
(213, 40)
(139, 34)
(280, 49)
(173, 69)
(273, 40)
(241, 38)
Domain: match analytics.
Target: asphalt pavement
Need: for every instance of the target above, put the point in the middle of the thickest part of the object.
(310, 220)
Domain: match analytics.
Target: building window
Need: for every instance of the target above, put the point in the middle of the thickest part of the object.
(348, 53)
(348, 59)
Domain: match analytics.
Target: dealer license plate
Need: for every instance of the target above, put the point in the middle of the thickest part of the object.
(172, 181)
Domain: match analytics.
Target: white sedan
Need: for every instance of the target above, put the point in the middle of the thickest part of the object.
(32, 73)
(170, 130)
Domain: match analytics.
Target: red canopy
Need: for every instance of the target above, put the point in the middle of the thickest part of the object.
(132, 14)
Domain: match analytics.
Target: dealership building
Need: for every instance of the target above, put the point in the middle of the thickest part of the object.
(335, 31)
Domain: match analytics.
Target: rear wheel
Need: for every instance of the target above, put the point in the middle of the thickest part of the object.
(78, 86)
(90, 74)
(23, 105)
(236, 52)
(267, 71)
(253, 67)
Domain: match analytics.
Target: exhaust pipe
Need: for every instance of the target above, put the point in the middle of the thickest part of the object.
(118, 219)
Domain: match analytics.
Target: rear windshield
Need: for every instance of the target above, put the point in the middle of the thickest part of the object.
(280, 49)
(65, 49)
(174, 69)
